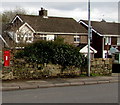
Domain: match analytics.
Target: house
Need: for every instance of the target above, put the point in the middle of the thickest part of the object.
(3, 42)
(104, 36)
(30, 28)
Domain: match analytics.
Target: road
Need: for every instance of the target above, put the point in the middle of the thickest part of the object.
(100, 93)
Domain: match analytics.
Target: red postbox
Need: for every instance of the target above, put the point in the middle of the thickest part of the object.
(6, 58)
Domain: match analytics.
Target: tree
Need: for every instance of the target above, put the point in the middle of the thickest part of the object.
(7, 15)
(5, 18)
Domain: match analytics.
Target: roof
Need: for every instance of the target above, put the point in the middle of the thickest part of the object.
(104, 28)
(85, 50)
(4, 40)
(53, 24)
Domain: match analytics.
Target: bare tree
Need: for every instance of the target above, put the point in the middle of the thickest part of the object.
(7, 15)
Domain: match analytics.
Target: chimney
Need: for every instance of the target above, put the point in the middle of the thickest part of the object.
(103, 20)
(43, 12)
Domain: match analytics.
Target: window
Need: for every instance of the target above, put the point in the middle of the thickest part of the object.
(118, 41)
(24, 38)
(108, 41)
(29, 38)
(43, 37)
(18, 38)
(76, 39)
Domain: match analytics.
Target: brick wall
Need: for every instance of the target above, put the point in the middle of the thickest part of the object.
(114, 41)
(68, 38)
(83, 39)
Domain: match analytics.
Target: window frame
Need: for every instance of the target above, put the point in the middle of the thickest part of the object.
(118, 41)
(107, 40)
(43, 37)
(29, 35)
(76, 39)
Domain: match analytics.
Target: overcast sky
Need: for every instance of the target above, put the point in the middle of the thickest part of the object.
(78, 10)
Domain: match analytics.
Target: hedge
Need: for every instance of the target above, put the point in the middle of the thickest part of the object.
(52, 52)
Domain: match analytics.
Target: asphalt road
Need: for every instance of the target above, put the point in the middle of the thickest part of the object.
(100, 93)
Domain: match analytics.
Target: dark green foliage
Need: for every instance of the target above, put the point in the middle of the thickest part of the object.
(52, 52)
(116, 56)
(59, 40)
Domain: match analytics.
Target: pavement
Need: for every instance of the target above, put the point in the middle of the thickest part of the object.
(58, 82)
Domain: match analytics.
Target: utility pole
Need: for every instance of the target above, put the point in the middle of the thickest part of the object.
(89, 38)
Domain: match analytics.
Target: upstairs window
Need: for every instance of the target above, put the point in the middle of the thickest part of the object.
(76, 39)
(108, 41)
(29, 38)
(24, 38)
(118, 41)
(18, 38)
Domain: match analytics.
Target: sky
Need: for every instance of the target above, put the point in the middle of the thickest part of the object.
(77, 9)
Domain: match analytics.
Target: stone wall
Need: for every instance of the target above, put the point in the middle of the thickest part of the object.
(23, 70)
(102, 66)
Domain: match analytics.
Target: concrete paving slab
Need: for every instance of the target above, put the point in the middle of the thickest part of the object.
(36, 81)
(62, 84)
(100, 82)
(90, 82)
(10, 88)
(112, 81)
(28, 86)
(45, 85)
(76, 83)
(59, 82)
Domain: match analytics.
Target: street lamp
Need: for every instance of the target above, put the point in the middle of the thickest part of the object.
(89, 37)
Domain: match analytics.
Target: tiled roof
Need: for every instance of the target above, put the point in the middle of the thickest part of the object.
(53, 24)
(105, 28)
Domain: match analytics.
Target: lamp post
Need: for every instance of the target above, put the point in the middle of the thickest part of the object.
(89, 37)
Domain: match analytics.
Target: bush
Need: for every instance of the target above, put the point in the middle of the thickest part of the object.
(52, 52)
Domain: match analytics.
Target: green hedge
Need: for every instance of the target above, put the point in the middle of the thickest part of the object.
(53, 52)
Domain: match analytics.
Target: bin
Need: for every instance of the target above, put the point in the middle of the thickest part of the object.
(116, 63)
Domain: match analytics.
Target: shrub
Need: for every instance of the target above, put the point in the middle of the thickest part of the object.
(52, 52)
